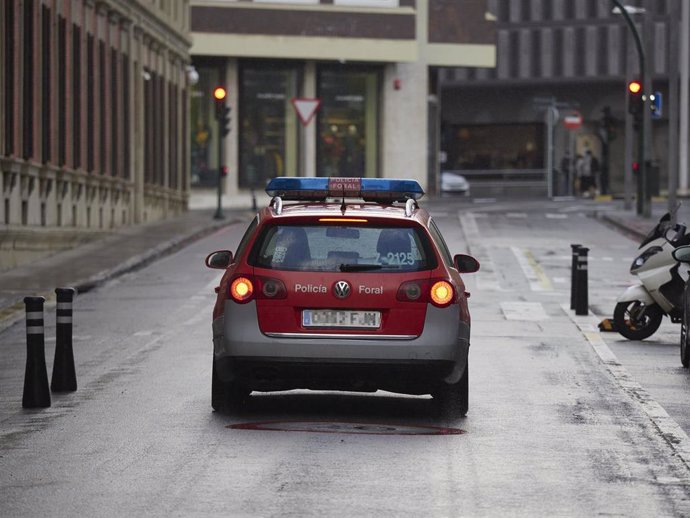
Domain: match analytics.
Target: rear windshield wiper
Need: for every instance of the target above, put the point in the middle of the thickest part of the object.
(363, 267)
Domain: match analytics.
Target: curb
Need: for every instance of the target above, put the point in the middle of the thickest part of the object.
(620, 225)
(12, 314)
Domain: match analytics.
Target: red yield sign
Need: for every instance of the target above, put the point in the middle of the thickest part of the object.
(572, 121)
(305, 108)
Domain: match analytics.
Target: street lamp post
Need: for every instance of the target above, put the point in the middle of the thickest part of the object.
(643, 194)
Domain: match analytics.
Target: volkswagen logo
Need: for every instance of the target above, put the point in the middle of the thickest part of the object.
(341, 289)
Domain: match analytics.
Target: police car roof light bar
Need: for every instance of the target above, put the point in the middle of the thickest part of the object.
(369, 189)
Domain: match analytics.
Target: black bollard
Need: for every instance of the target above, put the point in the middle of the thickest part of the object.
(573, 275)
(582, 281)
(36, 391)
(64, 376)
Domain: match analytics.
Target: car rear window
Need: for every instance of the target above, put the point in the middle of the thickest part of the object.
(343, 248)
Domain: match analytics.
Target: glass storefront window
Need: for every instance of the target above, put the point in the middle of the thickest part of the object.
(204, 129)
(347, 123)
(268, 124)
(495, 146)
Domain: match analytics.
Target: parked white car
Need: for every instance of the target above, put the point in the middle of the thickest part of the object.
(452, 182)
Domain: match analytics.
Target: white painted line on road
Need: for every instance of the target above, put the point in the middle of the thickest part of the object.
(551, 215)
(143, 333)
(516, 215)
(523, 311)
(671, 432)
(484, 200)
(486, 276)
(538, 280)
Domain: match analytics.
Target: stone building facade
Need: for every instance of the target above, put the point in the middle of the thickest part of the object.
(93, 119)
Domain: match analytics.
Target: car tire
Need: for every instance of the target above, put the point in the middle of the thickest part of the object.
(453, 400)
(227, 396)
(635, 321)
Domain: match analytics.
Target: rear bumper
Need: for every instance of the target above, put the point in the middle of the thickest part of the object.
(242, 352)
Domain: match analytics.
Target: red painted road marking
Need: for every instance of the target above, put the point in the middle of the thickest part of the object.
(346, 428)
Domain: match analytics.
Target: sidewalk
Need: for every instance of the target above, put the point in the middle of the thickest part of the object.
(89, 265)
(638, 227)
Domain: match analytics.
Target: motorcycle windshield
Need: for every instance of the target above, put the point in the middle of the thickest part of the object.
(659, 230)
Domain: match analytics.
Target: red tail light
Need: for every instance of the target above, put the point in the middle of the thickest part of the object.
(241, 290)
(439, 292)
(248, 287)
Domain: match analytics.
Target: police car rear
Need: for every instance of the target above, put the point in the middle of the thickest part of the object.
(342, 284)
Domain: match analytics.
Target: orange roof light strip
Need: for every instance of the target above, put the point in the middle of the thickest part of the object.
(343, 220)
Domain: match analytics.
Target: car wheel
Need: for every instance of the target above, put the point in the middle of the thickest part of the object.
(635, 321)
(226, 396)
(453, 400)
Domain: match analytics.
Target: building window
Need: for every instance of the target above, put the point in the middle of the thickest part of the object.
(9, 78)
(102, 143)
(90, 104)
(348, 122)
(47, 82)
(125, 117)
(115, 92)
(76, 96)
(62, 91)
(202, 120)
(495, 146)
(28, 84)
(267, 124)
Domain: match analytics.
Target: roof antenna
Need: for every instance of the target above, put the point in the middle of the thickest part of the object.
(343, 207)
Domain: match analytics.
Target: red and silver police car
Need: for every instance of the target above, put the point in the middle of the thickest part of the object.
(342, 284)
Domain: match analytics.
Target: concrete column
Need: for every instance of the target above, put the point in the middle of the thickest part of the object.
(309, 133)
(404, 125)
(231, 150)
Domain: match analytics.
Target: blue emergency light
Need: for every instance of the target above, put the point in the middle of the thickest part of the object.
(369, 189)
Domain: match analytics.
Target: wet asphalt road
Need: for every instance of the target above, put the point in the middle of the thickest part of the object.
(552, 429)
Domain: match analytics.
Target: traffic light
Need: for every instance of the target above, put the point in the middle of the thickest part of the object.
(635, 99)
(222, 111)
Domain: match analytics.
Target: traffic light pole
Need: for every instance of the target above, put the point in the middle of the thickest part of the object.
(219, 207)
(643, 195)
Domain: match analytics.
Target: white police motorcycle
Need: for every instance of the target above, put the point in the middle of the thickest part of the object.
(641, 307)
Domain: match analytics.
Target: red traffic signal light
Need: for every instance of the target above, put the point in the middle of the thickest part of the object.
(219, 93)
(635, 99)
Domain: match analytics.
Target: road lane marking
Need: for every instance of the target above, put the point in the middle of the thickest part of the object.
(669, 430)
(516, 215)
(552, 215)
(522, 311)
(486, 277)
(538, 280)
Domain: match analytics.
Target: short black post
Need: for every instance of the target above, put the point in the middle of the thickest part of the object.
(36, 391)
(573, 275)
(64, 376)
(582, 300)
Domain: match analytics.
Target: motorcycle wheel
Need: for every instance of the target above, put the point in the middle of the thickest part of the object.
(684, 344)
(635, 321)
(684, 330)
